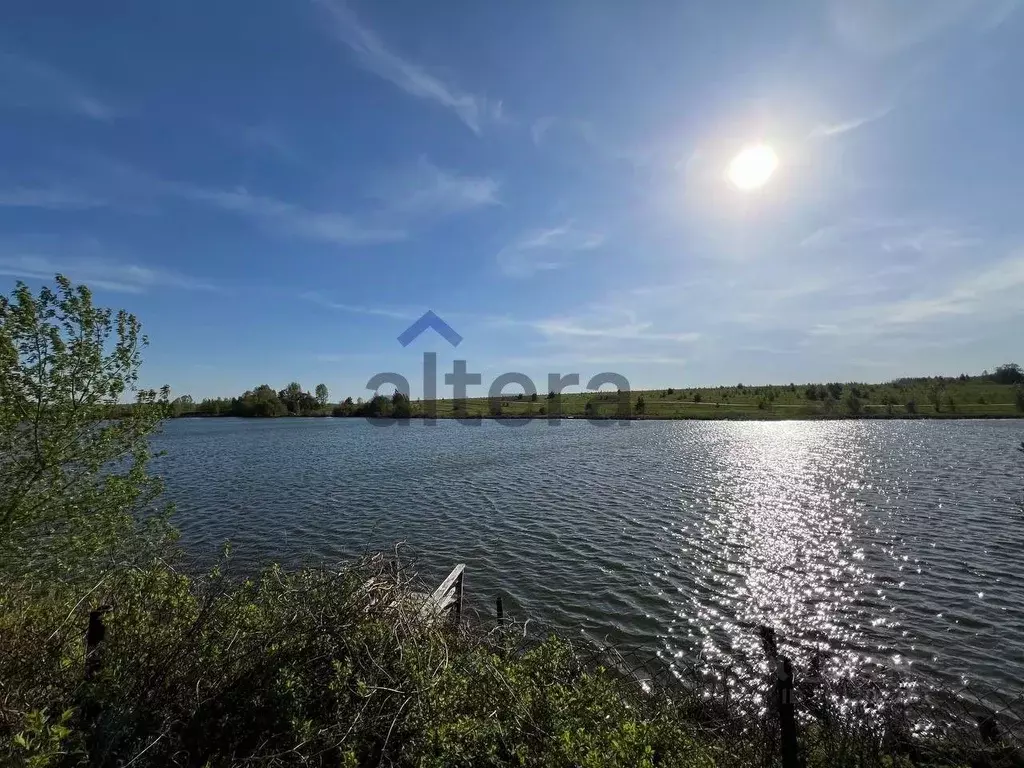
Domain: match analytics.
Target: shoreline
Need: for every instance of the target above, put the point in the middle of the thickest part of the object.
(728, 416)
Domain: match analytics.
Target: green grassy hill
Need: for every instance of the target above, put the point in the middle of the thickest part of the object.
(966, 397)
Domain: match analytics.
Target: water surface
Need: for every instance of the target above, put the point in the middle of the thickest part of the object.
(887, 543)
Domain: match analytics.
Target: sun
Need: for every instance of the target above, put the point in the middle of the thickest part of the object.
(753, 167)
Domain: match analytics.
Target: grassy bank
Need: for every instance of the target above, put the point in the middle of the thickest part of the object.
(989, 395)
(974, 397)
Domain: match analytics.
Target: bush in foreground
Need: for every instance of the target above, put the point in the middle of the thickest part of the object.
(309, 667)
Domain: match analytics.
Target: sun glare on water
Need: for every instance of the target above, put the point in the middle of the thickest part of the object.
(753, 167)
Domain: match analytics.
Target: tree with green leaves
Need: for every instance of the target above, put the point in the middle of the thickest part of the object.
(74, 490)
(182, 405)
(401, 408)
(854, 406)
(322, 395)
(1008, 373)
(1019, 396)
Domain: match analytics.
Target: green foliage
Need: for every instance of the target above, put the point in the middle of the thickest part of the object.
(853, 404)
(911, 406)
(1008, 373)
(71, 477)
(312, 667)
(344, 408)
(975, 396)
(322, 395)
(641, 405)
(401, 408)
(962, 396)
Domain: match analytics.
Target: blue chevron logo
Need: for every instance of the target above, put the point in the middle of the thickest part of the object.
(427, 321)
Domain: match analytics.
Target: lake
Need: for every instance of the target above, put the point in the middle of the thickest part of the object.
(888, 543)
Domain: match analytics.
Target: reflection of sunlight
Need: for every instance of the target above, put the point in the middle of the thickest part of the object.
(775, 546)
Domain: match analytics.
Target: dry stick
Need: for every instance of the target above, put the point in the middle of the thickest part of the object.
(151, 744)
(398, 714)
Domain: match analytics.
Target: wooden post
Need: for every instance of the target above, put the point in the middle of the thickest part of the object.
(94, 635)
(784, 703)
(458, 597)
(787, 713)
(501, 611)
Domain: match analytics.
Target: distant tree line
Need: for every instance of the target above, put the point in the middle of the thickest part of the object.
(941, 393)
(261, 401)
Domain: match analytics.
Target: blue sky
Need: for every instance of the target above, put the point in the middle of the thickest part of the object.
(279, 188)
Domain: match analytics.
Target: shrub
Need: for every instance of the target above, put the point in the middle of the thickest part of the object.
(911, 406)
(317, 666)
(853, 404)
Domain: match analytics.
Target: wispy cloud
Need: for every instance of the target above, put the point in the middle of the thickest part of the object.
(26, 82)
(546, 249)
(371, 52)
(883, 29)
(930, 240)
(586, 134)
(570, 327)
(263, 138)
(99, 273)
(851, 230)
(292, 219)
(54, 197)
(828, 130)
(992, 292)
(358, 309)
(400, 202)
(431, 191)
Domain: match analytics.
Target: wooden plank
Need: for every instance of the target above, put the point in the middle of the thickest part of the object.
(449, 592)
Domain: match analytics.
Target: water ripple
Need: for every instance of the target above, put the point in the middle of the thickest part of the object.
(891, 543)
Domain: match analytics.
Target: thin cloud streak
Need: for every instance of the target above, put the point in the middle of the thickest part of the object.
(292, 219)
(99, 273)
(375, 57)
(57, 198)
(631, 331)
(432, 191)
(546, 249)
(824, 131)
(358, 309)
(31, 83)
